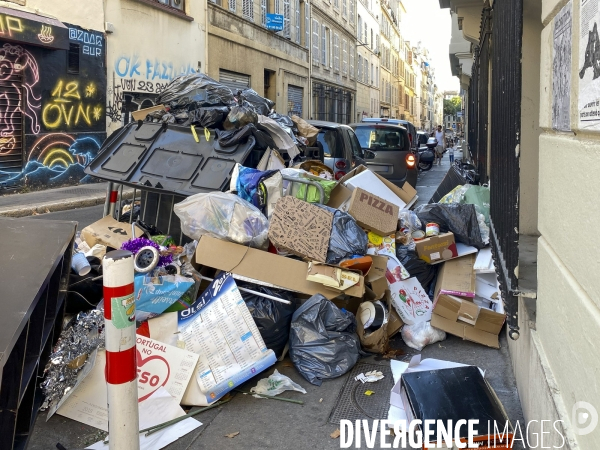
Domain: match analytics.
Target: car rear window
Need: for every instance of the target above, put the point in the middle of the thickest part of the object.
(381, 138)
(331, 143)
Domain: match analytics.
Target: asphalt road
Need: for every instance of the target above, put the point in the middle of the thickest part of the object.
(84, 216)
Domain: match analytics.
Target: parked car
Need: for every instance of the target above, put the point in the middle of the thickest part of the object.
(340, 147)
(387, 151)
(412, 130)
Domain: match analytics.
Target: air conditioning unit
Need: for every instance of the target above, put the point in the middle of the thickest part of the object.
(178, 4)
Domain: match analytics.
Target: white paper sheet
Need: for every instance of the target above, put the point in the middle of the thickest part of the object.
(158, 408)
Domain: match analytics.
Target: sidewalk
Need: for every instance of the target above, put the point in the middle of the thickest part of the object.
(267, 424)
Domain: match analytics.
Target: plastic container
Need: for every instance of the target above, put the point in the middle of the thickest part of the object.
(432, 229)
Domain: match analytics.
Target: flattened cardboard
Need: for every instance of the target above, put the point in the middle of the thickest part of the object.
(108, 231)
(329, 275)
(437, 248)
(301, 228)
(376, 277)
(142, 113)
(277, 270)
(373, 213)
(456, 277)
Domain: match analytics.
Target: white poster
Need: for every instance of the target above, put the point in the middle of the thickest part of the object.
(561, 69)
(589, 66)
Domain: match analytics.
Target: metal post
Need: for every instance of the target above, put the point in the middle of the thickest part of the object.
(112, 198)
(121, 366)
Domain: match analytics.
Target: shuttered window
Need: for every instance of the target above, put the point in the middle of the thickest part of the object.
(336, 4)
(306, 24)
(359, 29)
(263, 12)
(344, 57)
(234, 80)
(323, 45)
(286, 18)
(295, 97)
(336, 52)
(232, 5)
(366, 71)
(351, 11)
(359, 69)
(345, 8)
(315, 42)
(297, 20)
(248, 9)
(351, 50)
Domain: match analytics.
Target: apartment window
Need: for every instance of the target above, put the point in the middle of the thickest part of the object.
(344, 57)
(359, 29)
(336, 4)
(373, 82)
(324, 45)
(306, 24)
(377, 43)
(366, 71)
(263, 12)
(351, 10)
(359, 69)
(345, 8)
(366, 41)
(232, 5)
(248, 9)
(376, 78)
(73, 59)
(297, 20)
(286, 18)
(336, 52)
(351, 50)
(315, 42)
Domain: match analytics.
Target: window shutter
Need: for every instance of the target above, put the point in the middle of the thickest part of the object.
(366, 71)
(232, 5)
(248, 9)
(351, 62)
(306, 24)
(323, 45)
(344, 57)
(351, 11)
(286, 18)
(345, 8)
(297, 20)
(336, 50)
(359, 29)
(359, 69)
(315, 43)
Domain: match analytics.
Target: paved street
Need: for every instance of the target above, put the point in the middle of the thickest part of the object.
(265, 424)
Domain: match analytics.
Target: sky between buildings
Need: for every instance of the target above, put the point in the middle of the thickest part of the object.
(427, 23)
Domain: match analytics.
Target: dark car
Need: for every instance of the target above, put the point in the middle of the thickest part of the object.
(412, 130)
(339, 145)
(387, 151)
(422, 137)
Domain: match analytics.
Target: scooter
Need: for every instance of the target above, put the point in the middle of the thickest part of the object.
(427, 154)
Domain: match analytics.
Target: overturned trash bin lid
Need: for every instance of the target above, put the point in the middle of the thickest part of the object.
(166, 158)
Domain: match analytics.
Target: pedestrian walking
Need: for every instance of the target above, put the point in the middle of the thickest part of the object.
(439, 150)
(451, 155)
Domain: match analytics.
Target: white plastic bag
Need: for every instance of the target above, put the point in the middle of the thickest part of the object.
(421, 334)
(275, 384)
(223, 216)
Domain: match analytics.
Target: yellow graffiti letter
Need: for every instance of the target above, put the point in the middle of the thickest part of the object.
(85, 114)
(49, 121)
(10, 27)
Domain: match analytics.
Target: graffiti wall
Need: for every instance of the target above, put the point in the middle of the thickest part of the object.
(52, 110)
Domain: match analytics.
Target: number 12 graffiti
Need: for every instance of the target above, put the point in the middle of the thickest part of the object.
(68, 107)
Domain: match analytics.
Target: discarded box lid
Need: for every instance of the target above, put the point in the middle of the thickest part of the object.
(165, 158)
(373, 213)
(347, 281)
(301, 228)
(456, 277)
(275, 270)
(453, 394)
(437, 249)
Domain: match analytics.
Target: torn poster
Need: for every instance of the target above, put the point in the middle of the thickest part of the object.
(589, 66)
(561, 69)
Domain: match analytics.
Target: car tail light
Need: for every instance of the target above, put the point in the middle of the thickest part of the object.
(340, 164)
(339, 175)
(410, 160)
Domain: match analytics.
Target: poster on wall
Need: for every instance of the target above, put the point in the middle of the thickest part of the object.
(589, 66)
(561, 69)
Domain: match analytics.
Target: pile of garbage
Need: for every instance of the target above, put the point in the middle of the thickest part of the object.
(323, 271)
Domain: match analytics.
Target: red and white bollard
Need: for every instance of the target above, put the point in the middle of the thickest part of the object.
(121, 366)
(112, 196)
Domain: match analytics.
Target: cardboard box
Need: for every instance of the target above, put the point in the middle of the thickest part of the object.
(285, 273)
(373, 213)
(437, 248)
(108, 231)
(375, 278)
(341, 194)
(301, 228)
(459, 315)
(346, 282)
(142, 113)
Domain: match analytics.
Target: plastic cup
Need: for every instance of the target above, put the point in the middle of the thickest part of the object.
(80, 264)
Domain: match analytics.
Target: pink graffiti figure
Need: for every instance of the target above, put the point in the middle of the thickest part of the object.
(16, 62)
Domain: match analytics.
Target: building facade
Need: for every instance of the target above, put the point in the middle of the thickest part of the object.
(367, 59)
(528, 93)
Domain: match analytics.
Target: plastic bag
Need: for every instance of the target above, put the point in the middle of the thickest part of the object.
(420, 334)
(459, 219)
(240, 116)
(284, 121)
(209, 117)
(261, 188)
(323, 340)
(272, 318)
(282, 139)
(275, 384)
(260, 104)
(298, 189)
(471, 195)
(228, 138)
(306, 130)
(347, 238)
(409, 221)
(223, 216)
(195, 88)
(418, 268)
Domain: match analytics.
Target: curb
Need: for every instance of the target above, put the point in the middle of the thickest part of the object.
(56, 206)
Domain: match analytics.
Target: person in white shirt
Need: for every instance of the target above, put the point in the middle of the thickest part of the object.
(451, 154)
(439, 150)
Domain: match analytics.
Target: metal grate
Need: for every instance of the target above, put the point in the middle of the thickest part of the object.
(11, 124)
(353, 404)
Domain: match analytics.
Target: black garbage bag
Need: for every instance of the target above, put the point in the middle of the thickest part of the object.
(323, 340)
(418, 268)
(347, 237)
(209, 117)
(195, 88)
(240, 116)
(263, 139)
(459, 219)
(272, 318)
(84, 293)
(285, 121)
(227, 138)
(260, 104)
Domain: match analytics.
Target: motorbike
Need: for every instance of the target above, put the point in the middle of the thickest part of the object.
(427, 154)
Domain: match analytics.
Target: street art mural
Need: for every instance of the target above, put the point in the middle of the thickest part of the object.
(19, 77)
(52, 112)
(55, 159)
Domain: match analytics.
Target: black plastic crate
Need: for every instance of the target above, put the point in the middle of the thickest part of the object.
(33, 285)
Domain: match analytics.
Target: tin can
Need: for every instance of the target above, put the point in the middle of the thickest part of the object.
(418, 235)
(432, 229)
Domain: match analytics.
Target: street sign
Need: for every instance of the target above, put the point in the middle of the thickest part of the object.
(459, 114)
(275, 22)
(453, 125)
